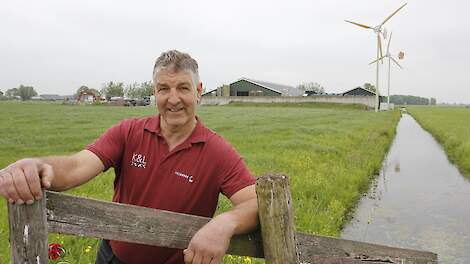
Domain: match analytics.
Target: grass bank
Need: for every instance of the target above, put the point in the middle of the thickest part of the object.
(330, 154)
(450, 126)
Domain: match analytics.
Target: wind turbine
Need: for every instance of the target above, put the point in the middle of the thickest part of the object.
(390, 58)
(378, 30)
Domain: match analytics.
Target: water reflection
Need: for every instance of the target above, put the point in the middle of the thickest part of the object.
(419, 201)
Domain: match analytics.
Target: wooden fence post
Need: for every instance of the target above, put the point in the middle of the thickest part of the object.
(28, 232)
(276, 219)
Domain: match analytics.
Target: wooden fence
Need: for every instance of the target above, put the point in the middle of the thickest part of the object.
(277, 241)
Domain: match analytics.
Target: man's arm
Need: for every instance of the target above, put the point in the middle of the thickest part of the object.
(74, 170)
(210, 243)
(21, 182)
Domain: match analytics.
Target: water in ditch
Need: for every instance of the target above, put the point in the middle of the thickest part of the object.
(419, 201)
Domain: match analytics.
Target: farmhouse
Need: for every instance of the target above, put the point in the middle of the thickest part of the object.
(250, 87)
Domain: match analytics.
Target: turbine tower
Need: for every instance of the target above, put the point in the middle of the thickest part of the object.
(378, 30)
(390, 58)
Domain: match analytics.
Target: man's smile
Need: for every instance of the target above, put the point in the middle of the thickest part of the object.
(175, 109)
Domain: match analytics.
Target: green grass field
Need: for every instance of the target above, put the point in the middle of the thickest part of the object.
(450, 126)
(330, 154)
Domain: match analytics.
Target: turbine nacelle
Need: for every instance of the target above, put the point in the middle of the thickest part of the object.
(379, 30)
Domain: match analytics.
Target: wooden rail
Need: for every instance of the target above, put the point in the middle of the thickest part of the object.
(277, 242)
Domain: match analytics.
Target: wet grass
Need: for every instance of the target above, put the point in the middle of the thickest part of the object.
(330, 154)
(450, 126)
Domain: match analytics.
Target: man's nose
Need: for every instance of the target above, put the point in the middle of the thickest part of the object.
(174, 97)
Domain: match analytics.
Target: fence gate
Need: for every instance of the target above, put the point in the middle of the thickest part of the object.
(277, 241)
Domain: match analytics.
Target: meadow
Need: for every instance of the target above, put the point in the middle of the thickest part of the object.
(329, 153)
(450, 126)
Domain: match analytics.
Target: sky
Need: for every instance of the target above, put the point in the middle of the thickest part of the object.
(57, 46)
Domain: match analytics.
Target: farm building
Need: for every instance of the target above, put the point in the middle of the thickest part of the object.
(47, 97)
(359, 91)
(249, 87)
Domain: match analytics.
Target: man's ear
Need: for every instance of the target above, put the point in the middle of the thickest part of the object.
(199, 89)
(199, 92)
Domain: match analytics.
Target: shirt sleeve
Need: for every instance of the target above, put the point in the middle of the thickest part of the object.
(109, 147)
(237, 176)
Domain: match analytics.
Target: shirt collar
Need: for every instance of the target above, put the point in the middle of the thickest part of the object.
(198, 134)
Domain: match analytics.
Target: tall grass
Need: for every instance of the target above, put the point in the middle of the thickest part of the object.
(450, 126)
(330, 154)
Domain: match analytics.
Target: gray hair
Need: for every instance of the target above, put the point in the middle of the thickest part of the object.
(177, 61)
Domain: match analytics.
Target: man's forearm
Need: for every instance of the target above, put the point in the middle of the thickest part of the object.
(242, 218)
(73, 170)
(63, 167)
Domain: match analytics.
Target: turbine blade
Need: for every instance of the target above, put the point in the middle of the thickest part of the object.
(390, 16)
(388, 45)
(396, 62)
(357, 24)
(379, 43)
(377, 60)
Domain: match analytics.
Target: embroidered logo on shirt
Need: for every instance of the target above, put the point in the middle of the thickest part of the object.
(187, 177)
(138, 161)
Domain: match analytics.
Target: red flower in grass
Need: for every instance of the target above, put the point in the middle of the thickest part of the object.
(56, 250)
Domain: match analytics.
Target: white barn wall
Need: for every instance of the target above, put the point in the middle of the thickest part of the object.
(221, 100)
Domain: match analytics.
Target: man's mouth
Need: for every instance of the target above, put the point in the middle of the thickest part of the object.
(175, 109)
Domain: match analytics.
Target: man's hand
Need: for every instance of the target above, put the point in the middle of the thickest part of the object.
(209, 244)
(21, 181)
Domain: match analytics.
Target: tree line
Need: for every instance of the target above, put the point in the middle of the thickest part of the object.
(312, 87)
(134, 90)
(411, 100)
(110, 89)
(23, 92)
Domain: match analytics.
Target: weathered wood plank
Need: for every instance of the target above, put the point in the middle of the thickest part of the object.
(67, 214)
(276, 219)
(28, 233)
(313, 247)
(87, 217)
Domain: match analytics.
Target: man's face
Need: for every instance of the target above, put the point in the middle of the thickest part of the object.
(176, 97)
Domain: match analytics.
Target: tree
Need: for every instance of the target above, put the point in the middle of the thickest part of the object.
(82, 89)
(432, 101)
(26, 92)
(311, 87)
(147, 88)
(1, 93)
(139, 90)
(95, 92)
(133, 90)
(113, 89)
(86, 89)
(369, 87)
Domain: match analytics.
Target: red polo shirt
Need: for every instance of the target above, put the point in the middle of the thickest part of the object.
(186, 180)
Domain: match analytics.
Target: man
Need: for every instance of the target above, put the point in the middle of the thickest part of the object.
(169, 161)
